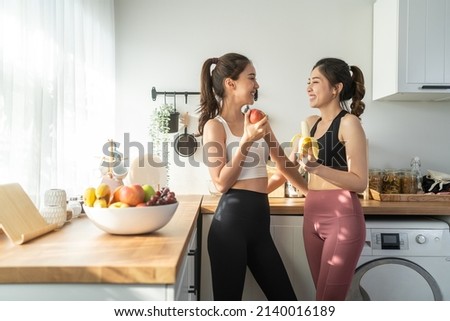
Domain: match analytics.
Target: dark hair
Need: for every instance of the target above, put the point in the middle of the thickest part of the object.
(338, 71)
(212, 91)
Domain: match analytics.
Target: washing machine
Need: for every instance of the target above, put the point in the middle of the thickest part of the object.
(404, 259)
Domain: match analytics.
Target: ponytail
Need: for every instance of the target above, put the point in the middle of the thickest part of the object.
(357, 106)
(209, 105)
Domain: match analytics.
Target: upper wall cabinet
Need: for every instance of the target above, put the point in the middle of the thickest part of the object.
(411, 50)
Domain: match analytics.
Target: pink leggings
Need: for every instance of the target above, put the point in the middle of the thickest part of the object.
(334, 233)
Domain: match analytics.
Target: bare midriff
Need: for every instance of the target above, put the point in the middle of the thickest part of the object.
(254, 184)
(318, 183)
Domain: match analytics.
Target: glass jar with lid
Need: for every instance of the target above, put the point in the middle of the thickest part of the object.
(391, 181)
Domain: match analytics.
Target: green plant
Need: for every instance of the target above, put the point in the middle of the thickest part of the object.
(161, 121)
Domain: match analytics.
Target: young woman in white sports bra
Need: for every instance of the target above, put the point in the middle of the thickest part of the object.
(236, 154)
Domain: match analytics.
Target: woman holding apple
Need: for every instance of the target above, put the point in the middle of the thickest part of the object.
(236, 154)
(334, 226)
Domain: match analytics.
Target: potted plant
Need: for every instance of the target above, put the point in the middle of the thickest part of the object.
(164, 121)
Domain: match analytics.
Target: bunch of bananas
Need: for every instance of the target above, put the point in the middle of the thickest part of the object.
(97, 197)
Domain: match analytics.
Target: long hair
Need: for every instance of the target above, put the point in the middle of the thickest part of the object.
(338, 71)
(212, 90)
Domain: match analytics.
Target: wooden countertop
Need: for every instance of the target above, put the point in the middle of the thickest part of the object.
(294, 206)
(82, 253)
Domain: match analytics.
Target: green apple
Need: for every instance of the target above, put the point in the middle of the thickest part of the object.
(149, 192)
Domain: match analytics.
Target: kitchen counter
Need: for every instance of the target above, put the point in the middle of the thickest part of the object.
(295, 206)
(82, 253)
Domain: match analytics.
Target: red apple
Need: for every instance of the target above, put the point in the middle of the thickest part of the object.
(132, 194)
(256, 115)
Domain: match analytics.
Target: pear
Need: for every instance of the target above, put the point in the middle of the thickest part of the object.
(89, 196)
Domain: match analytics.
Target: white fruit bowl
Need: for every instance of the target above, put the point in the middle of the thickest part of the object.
(131, 220)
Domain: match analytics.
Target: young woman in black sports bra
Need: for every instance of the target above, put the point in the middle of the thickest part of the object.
(334, 226)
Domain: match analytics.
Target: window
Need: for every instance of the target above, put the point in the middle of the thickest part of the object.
(56, 92)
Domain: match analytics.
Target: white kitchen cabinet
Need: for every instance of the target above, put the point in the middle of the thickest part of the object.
(186, 286)
(287, 234)
(411, 50)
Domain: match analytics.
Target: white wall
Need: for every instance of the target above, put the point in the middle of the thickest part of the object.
(163, 43)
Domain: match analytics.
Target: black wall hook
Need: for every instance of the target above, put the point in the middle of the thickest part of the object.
(173, 93)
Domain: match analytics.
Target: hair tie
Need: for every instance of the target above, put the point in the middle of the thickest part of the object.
(214, 60)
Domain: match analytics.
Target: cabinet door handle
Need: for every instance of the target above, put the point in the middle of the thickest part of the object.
(192, 289)
(435, 87)
(192, 252)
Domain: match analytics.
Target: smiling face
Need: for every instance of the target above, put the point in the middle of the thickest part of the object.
(319, 89)
(244, 88)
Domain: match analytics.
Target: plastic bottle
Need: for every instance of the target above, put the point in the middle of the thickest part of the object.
(415, 169)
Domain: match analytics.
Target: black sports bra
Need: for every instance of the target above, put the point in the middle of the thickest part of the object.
(331, 150)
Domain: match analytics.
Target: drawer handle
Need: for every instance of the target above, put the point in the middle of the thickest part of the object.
(435, 87)
(192, 290)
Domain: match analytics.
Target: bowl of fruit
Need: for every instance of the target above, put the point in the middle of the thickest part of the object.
(129, 209)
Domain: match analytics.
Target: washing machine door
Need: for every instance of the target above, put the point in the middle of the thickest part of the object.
(393, 279)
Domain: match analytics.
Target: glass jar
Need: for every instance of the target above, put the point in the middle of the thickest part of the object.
(376, 180)
(408, 182)
(391, 181)
(74, 206)
(290, 190)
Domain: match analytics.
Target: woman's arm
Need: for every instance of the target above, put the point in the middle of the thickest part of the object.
(275, 181)
(287, 167)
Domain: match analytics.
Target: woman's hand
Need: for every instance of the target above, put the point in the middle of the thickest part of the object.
(253, 132)
(308, 163)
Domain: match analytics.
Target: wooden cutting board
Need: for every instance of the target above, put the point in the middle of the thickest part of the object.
(19, 217)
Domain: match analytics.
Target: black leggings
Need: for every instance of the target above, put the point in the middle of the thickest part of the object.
(239, 237)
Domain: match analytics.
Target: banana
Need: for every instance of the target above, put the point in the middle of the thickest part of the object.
(307, 142)
(103, 191)
(89, 196)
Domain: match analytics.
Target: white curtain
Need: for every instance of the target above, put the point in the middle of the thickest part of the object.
(56, 92)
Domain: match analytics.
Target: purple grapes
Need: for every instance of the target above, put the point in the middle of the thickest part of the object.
(163, 196)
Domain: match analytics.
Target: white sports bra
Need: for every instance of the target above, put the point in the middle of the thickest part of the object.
(256, 159)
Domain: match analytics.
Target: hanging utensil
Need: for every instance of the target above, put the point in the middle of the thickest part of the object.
(185, 144)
